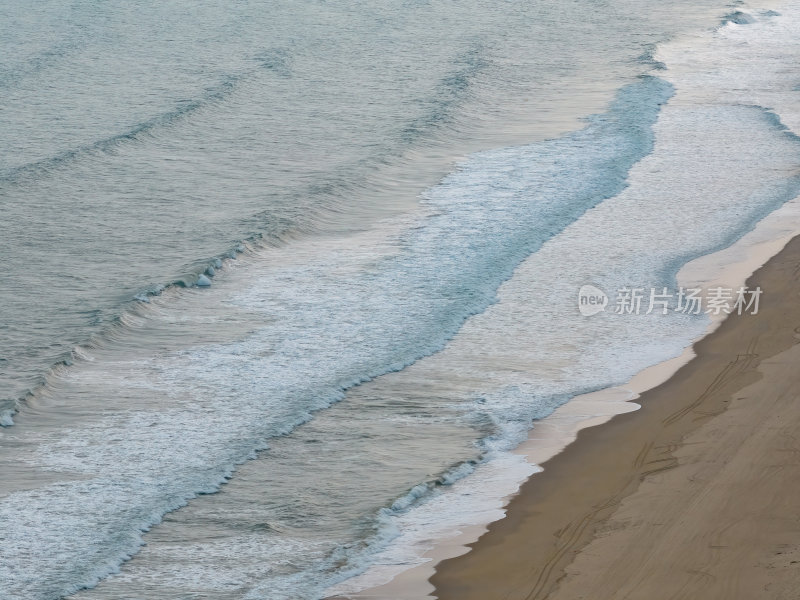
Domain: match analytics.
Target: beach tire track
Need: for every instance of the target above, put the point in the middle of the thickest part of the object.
(641, 458)
(741, 364)
(575, 532)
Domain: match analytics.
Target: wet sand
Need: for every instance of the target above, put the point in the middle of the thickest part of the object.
(693, 496)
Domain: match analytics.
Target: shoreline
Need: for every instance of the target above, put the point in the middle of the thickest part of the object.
(579, 524)
(731, 266)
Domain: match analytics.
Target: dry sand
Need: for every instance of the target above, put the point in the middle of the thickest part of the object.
(695, 496)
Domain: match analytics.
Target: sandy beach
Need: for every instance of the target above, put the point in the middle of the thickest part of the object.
(693, 496)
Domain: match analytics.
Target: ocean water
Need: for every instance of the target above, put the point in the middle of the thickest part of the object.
(389, 209)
